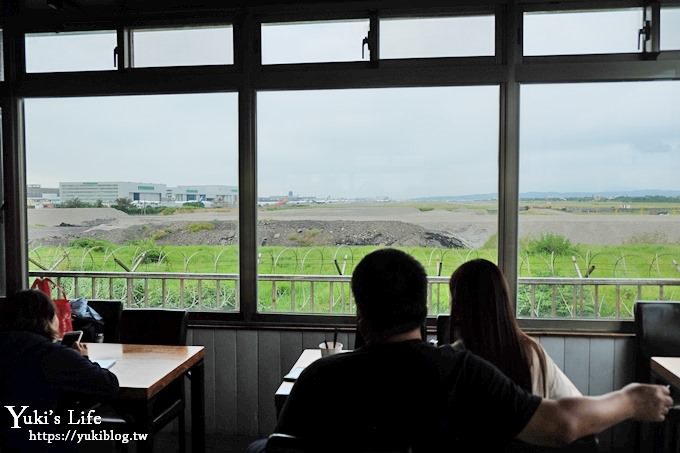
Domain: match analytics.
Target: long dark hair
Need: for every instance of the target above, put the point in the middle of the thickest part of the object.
(30, 310)
(482, 315)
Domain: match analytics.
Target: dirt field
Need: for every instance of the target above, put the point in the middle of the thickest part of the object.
(390, 224)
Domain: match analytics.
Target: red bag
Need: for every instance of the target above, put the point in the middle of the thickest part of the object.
(61, 302)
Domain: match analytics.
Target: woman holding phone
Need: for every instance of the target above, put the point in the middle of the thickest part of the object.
(39, 372)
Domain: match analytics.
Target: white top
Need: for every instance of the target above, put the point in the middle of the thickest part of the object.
(559, 385)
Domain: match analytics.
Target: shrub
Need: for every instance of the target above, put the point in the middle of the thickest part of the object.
(159, 234)
(153, 256)
(75, 203)
(203, 226)
(425, 208)
(549, 243)
(87, 243)
(168, 211)
(305, 238)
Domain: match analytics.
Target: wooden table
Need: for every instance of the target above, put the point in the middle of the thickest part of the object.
(668, 369)
(144, 370)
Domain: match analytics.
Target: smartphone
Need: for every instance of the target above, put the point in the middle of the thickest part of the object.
(72, 337)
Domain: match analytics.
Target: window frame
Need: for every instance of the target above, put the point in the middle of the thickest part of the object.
(507, 68)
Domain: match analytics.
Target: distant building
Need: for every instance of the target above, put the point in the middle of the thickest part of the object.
(37, 192)
(108, 192)
(211, 193)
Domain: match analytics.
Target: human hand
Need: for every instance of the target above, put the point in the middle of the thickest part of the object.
(80, 347)
(650, 403)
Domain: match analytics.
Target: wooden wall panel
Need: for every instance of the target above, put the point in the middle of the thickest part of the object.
(291, 348)
(554, 347)
(226, 381)
(247, 366)
(601, 376)
(205, 337)
(623, 435)
(577, 362)
(247, 383)
(269, 378)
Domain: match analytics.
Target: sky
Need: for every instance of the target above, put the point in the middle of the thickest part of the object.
(398, 142)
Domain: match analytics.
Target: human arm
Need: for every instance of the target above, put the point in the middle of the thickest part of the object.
(560, 422)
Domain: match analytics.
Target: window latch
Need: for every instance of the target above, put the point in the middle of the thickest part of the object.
(644, 35)
(366, 42)
(115, 57)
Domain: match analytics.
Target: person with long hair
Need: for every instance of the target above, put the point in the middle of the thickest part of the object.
(398, 392)
(483, 321)
(40, 374)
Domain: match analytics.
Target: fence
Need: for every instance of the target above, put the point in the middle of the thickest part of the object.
(537, 296)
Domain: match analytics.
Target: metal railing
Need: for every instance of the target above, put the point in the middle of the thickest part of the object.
(611, 298)
(590, 297)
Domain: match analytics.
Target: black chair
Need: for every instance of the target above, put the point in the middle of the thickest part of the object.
(443, 329)
(154, 326)
(657, 333)
(111, 312)
(159, 327)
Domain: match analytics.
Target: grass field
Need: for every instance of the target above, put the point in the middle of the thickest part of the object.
(549, 258)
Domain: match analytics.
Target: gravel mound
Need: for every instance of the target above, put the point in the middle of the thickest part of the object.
(270, 232)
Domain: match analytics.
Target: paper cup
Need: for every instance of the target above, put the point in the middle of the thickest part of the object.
(330, 348)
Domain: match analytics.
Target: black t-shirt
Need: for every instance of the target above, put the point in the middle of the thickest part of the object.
(406, 394)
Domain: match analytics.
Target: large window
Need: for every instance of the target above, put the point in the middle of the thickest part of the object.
(599, 196)
(135, 185)
(341, 173)
(348, 151)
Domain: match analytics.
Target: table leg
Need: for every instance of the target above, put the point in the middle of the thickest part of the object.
(198, 408)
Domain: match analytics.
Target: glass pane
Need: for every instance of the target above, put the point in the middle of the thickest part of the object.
(670, 28)
(599, 196)
(136, 184)
(313, 42)
(58, 52)
(437, 37)
(341, 173)
(183, 47)
(570, 33)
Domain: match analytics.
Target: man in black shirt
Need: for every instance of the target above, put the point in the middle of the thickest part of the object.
(398, 392)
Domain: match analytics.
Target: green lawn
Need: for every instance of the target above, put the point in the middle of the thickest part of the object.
(620, 261)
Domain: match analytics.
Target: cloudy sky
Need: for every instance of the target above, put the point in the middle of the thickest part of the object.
(400, 143)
